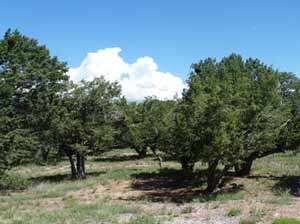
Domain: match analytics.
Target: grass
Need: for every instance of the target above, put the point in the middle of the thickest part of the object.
(145, 219)
(187, 210)
(282, 164)
(234, 212)
(71, 210)
(221, 196)
(13, 181)
(286, 221)
(82, 213)
(257, 214)
(248, 221)
(118, 184)
(283, 198)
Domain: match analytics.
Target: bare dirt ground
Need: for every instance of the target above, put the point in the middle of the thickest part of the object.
(270, 192)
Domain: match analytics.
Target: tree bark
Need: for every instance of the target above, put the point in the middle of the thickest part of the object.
(212, 181)
(83, 164)
(158, 158)
(78, 169)
(72, 165)
(80, 165)
(213, 176)
(244, 169)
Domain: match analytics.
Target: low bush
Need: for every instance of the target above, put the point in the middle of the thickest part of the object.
(187, 210)
(234, 212)
(13, 182)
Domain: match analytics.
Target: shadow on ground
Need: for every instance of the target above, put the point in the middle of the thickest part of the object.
(289, 184)
(171, 185)
(60, 177)
(119, 158)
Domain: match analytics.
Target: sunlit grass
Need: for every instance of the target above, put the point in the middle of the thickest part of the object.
(46, 194)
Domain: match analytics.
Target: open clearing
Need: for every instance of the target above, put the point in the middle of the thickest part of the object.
(122, 189)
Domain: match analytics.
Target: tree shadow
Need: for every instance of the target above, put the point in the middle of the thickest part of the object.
(282, 184)
(61, 177)
(261, 176)
(290, 184)
(173, 185)
(120, 158)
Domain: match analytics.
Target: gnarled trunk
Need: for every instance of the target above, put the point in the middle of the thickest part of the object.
(80, 165)
(214, 177)
(72, 165)
(244, 168)
(212, 180)
(77, 164)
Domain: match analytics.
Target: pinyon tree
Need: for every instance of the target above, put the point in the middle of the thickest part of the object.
(85, 123)
(30, 79)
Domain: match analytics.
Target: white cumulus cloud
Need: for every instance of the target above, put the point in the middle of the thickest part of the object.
(138, 80)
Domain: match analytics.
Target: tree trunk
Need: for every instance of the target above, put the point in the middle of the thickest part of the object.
(244, 169)
(83, 165)
(187, 164)
(72, 164)
(158, 158)
(78, 169)
(212, 179)
(45, 154)
(80, 166)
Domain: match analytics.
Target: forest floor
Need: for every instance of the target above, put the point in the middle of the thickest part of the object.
(123, 189)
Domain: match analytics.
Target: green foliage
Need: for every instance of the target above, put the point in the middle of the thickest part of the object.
(86, 121)
(13, 182)
(233, 111)
(248, 221)
(147, 123)
(271, 124)
(286, 221)
(30, 80)
(234, 212)
(187, 210)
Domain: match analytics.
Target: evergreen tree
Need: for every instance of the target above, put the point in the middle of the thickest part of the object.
(146, 122)
(86, 121)
(233, 110)
(30, 80)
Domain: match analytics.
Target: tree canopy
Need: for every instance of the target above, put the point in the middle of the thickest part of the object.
(30, 79)
(233, 112)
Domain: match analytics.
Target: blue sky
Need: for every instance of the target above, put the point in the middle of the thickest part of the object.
(174, 33)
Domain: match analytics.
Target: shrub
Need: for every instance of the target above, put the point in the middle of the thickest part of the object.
(234, 212)
(186, 210)
(13, 182)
